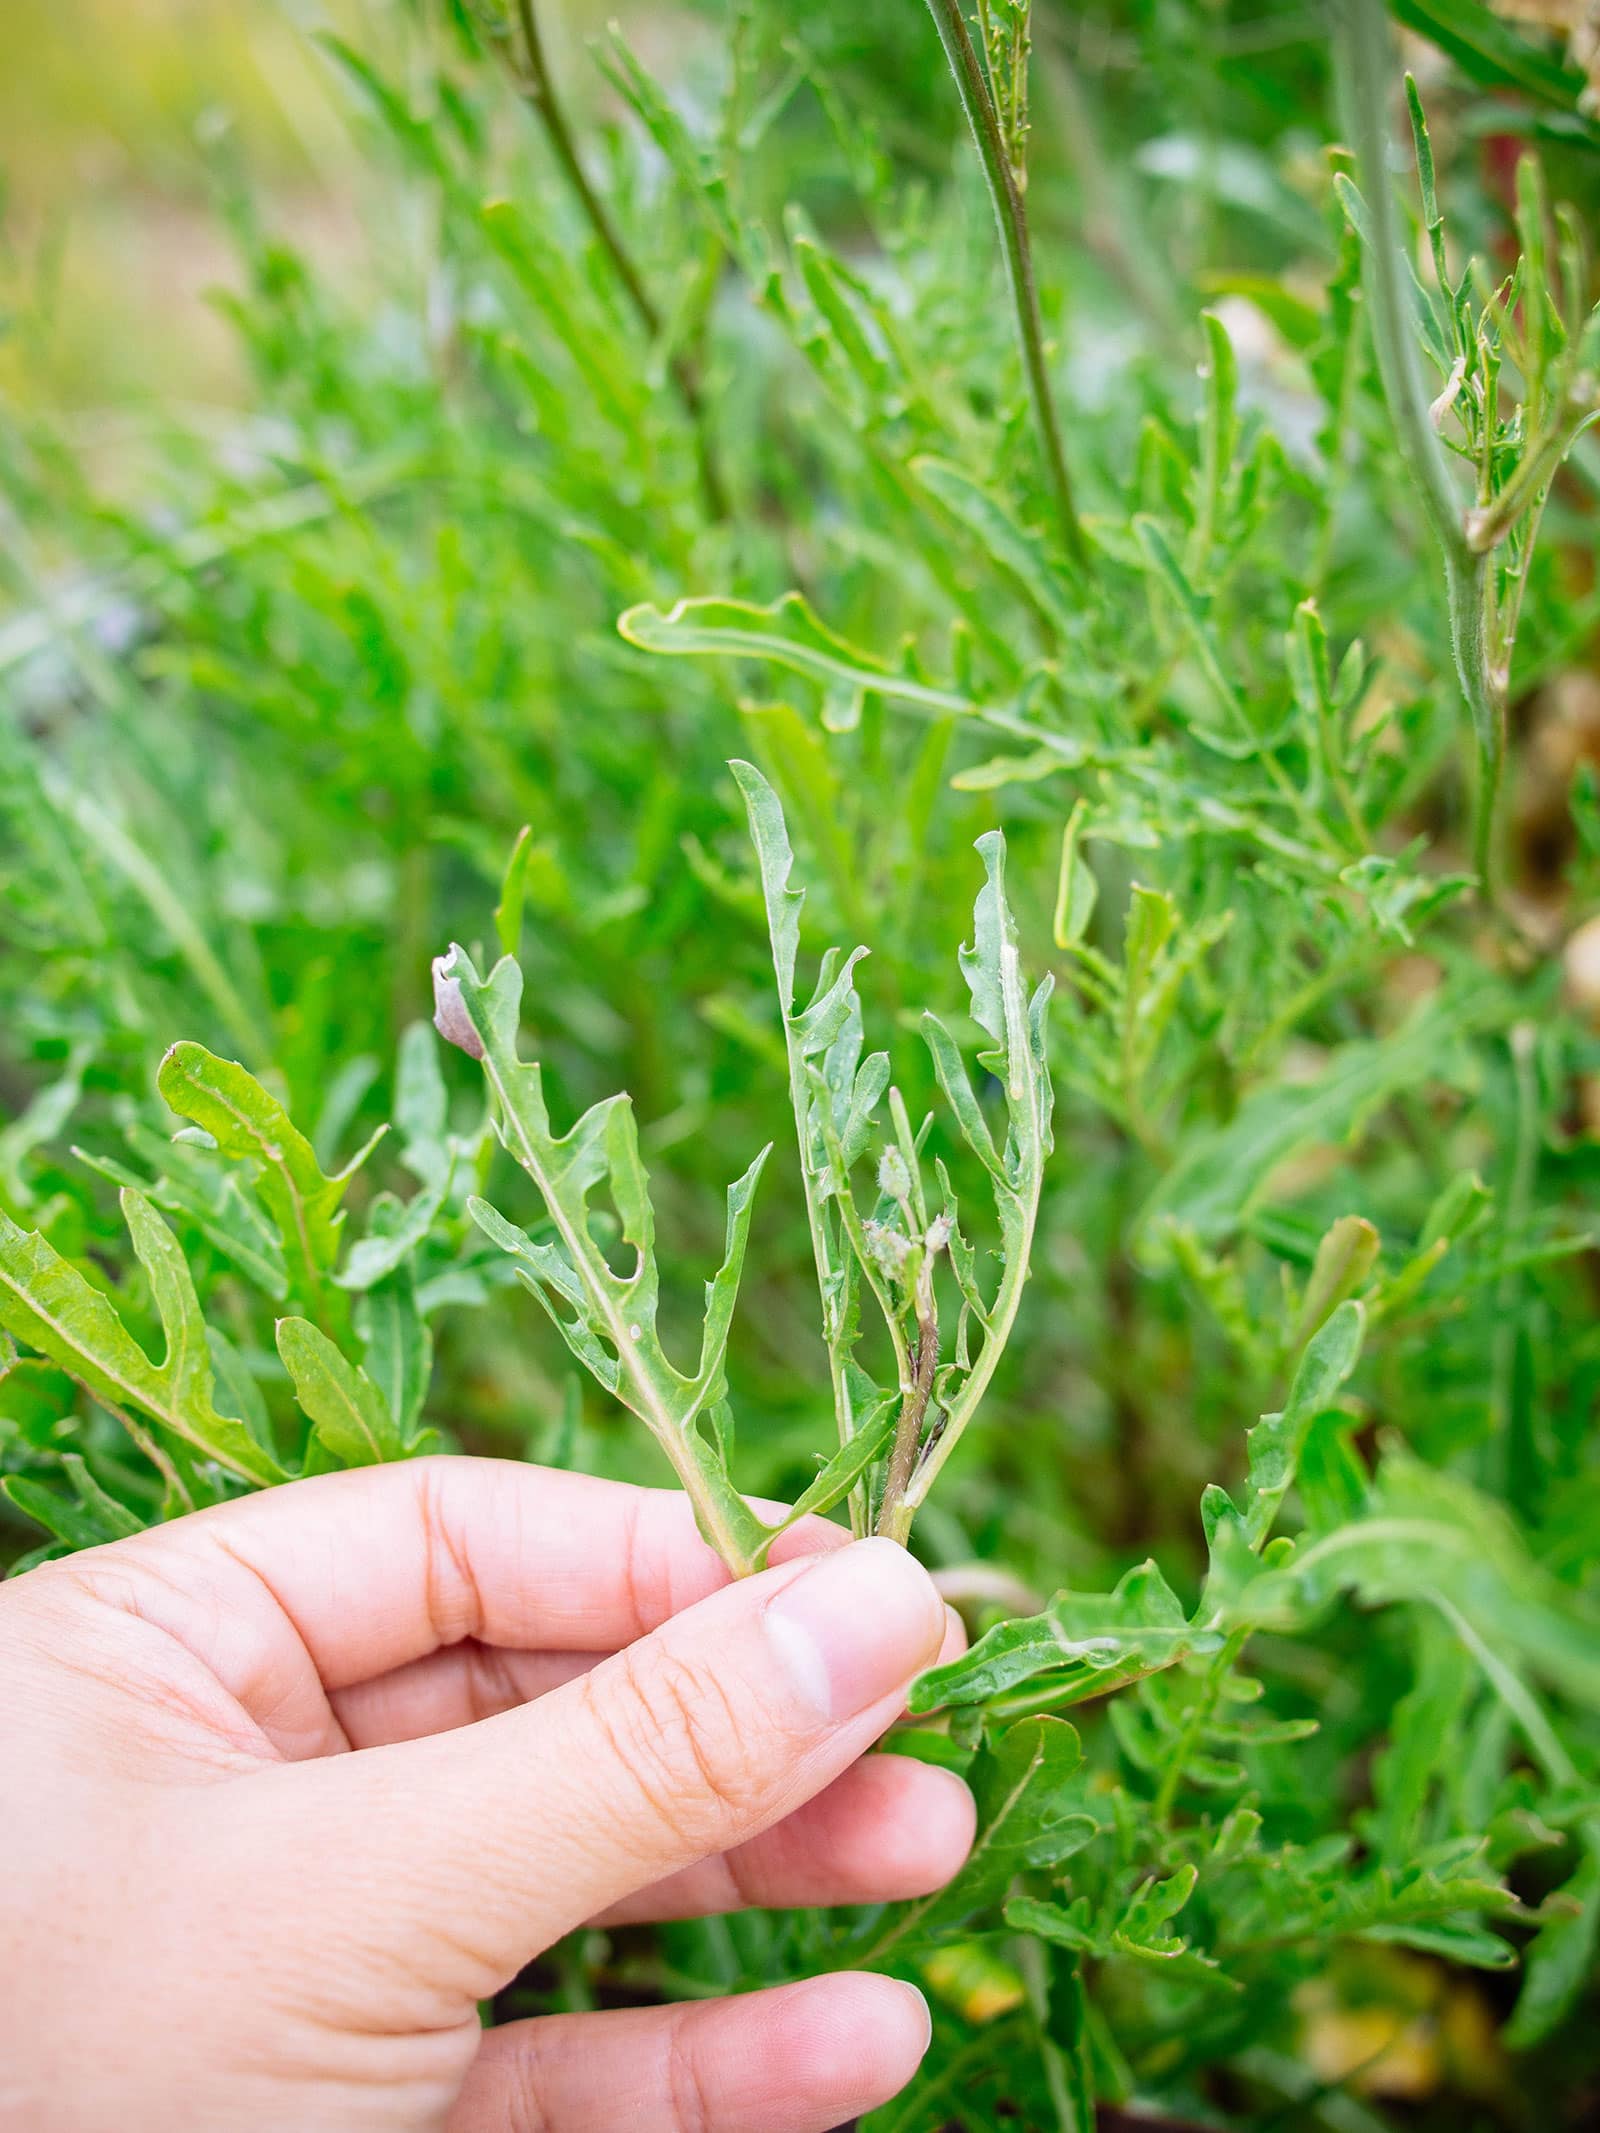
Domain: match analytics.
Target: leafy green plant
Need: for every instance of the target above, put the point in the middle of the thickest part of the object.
(892, 1253)
(977, 426)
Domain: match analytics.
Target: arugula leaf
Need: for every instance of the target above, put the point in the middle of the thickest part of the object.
(46, 1302)
(1082, 1645)
(227, 1102)
(351, 1419)
(607, 1319)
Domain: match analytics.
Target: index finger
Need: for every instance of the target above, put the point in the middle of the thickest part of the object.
(377, 1567)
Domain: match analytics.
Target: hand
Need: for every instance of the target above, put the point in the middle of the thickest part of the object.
(216, 1915)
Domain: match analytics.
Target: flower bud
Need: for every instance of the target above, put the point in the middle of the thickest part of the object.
(450, 1017)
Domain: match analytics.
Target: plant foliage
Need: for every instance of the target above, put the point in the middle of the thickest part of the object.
(1150, 444)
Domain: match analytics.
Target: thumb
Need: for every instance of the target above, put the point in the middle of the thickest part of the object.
(492, 1841)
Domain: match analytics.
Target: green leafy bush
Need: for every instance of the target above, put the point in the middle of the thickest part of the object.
(808, 446)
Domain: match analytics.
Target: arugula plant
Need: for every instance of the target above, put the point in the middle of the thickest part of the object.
(887, 1247)
(972, 422)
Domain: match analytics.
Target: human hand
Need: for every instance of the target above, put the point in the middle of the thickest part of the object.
(219, 1916)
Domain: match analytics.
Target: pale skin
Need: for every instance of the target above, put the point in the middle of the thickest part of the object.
(292, 1785)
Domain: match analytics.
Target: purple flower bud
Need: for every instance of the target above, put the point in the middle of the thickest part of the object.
(450, 1017)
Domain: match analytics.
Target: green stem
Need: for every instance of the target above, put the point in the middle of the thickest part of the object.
(996, 1334)
(538, 87)
(1011, 218)
(832, 1278)
(1500, 1453)
(147, 1444)
(1362, 54)
(1194, 1725)
(648, 1401)
(1487, 528)
(850, 1219)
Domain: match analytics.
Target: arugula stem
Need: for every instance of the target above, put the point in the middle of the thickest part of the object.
(147, 1443)
(1500, 1452)
(1362, 55)
(1199, 1717)
(1012, 220)
(997, 1331)
(647, 1402)
(1487, 527)
(537, 84)
(832, 1278)
(894, 1515)
(850, 1219)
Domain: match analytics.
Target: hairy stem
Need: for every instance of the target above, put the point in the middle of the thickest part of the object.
(1012, 220)
(997, 1332)
(832, 1274)
(1487, 527)
(850, 1220)
(534, 78)
(1362, 53)
(894, 1515)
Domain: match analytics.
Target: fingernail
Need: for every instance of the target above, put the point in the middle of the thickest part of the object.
(855, 1626)
(923, 2009)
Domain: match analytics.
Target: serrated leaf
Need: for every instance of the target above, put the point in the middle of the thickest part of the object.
(769, 833)
(48, 1303)
(1277, 1439)
(722, 1290)
(1083, 1644)
(607, 1319)
(227, 1102)
(1031, 1811)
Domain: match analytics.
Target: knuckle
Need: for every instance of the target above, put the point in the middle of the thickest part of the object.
(683, 2081)
(526, 2111)
(491, 1685)
(675, 1729)
(452, 1596)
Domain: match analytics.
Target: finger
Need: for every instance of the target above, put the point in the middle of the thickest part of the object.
(469, 1681)
(330, 1581)
(498, 1838)
(887, 1830)
(455, 1687)
(798, 2059)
